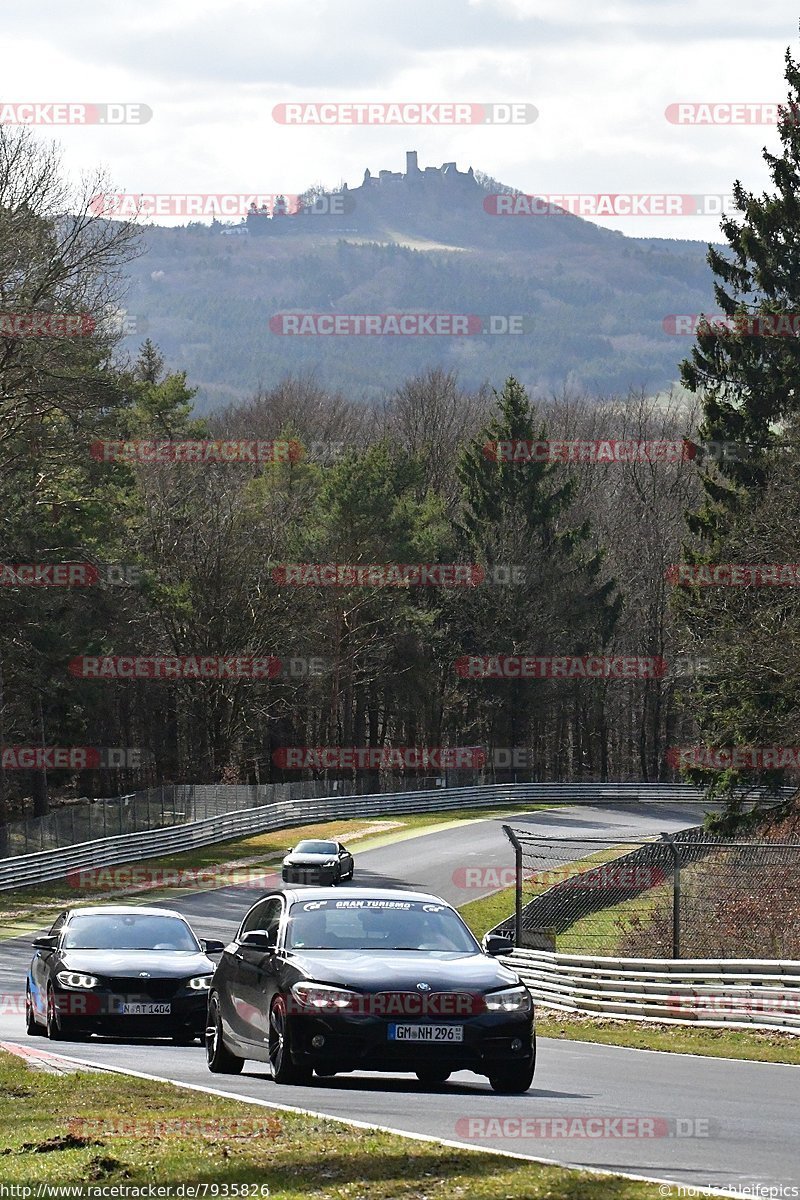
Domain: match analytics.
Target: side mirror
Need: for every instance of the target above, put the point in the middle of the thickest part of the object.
(495, 944)
(258, 939)
(212, 946)
(47, 942)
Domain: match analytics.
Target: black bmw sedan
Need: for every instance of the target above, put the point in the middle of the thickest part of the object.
(317, 861)
(119, 970)
(372, 980)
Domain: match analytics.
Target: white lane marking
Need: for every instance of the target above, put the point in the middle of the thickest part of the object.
(416, 1137)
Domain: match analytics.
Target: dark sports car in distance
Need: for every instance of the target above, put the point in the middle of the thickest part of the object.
(320, 862)
(119, 970)
(372, 980)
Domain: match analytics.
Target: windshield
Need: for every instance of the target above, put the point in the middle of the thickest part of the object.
(316, 848)
(376, 925)
(129, 932)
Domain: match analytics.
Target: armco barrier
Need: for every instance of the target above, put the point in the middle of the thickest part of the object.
(738, 993)
(26, 869)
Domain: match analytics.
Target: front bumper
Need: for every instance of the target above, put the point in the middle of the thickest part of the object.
(97, 1010)
(492, 1042)
(323, 876)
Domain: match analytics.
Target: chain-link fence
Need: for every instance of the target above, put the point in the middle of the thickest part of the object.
(687, 895)
(162, 807)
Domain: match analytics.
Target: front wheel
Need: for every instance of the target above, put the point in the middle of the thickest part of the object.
(58, 1030)
(219, 1058)
(32, 1026)
(513, 1080)
(280, 1047)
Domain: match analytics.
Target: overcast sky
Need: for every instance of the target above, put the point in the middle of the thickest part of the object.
(600, 74)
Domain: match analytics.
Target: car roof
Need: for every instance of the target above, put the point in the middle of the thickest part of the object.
(356, 893)
(120, 910)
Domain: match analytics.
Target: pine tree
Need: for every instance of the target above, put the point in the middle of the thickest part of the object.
(516, 514)
(748, 377)
(747, 374)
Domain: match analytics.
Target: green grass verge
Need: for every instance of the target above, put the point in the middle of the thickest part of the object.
(109, 1129)
(754, 1045)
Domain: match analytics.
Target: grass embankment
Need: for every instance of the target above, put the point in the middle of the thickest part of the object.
(751, 1045)
(112, 1129)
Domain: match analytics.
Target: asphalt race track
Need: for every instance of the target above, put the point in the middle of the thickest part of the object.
(701, 1122)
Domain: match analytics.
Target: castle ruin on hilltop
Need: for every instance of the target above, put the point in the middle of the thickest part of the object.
(448, 173)
(392, 187)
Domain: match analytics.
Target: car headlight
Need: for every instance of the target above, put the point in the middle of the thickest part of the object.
(200, 983)
(287, 862)
(324, 998)
(510, 1000)
(76, 979)
(331, 863)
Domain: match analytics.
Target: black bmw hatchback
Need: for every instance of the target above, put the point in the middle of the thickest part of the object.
(319, 980)
(119, 970)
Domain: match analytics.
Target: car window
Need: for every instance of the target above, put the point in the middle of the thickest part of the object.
(377, 925)
(265, 916)
(312, 847)
(58, 924)
(128, 931)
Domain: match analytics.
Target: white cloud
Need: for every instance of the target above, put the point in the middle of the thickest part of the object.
(601, 77)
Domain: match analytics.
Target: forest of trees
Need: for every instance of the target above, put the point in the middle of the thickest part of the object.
(576, 556)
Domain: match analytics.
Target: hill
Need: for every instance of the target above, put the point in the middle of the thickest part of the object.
(592, 301)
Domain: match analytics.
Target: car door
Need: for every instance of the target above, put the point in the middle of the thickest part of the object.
(41, 967)
(249, 988)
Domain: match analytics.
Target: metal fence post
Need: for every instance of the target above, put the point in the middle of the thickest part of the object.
(515, 842)
(669, 838)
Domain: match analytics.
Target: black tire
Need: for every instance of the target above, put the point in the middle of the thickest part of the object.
(219, 1058)
(32, 1026)
(324, 1073)
(280, 1047)
(514, 1080)
(433, 1076)
(57, 1030)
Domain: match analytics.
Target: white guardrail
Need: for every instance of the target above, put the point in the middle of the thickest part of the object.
(737, 993)
(25, 869)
